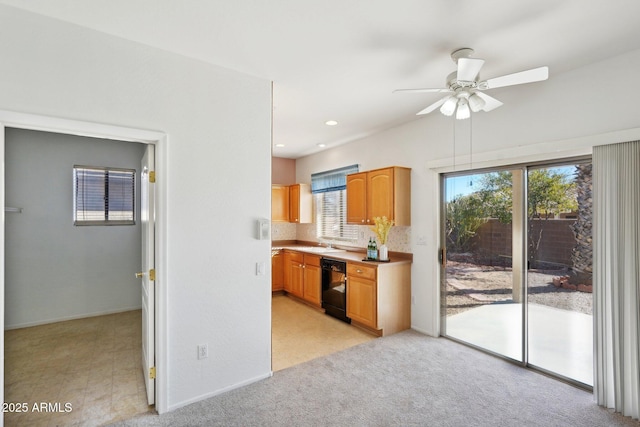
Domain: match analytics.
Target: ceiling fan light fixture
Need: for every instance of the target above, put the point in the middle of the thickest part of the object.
(463, 111)
(476, 103)
(449, 106)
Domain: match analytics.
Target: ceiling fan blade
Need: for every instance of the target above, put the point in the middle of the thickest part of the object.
(468, 68)
(439, 90)
(432, 107)
(529, 76)
(490, 103)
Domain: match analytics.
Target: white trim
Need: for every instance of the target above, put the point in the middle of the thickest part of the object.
(76, 317)
(220, 391)
(105, 131)
(2, 201)
(565, 148)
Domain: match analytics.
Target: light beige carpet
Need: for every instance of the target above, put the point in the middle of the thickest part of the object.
(406, 379)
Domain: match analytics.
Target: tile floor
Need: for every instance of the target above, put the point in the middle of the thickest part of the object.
(300, 333)
(93, 364)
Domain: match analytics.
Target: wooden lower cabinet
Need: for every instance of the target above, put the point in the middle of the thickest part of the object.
(362, 298)
(379, 297)
(303, 277)
(277, 270)
(312, 287)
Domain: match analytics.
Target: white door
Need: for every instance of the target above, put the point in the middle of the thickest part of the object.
(147, 218)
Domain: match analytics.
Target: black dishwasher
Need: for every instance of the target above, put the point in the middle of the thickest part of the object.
(334, 288)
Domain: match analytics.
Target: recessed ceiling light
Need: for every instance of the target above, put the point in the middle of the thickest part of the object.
(330, 123)
(279, 145)
(321, 145)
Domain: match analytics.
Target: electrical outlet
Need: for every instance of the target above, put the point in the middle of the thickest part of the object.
(362, 234)
(203, 351)
(413, 299)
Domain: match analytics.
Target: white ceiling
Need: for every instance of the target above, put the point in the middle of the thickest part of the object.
(341, 59)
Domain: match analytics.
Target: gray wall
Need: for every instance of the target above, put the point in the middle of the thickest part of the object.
(55, 270)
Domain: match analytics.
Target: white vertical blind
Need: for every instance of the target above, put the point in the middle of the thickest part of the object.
(616, 290)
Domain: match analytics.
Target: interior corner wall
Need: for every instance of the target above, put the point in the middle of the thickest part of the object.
(54, 270)
(216, 161)
(537, 120)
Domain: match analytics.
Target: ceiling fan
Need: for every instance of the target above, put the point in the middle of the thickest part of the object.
(465, 90)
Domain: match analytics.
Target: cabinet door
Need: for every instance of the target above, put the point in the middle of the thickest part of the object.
(357, 198)
(279, 203)
(286, 273)
(277, 271)
(380, 194)
(294, 203)
(312, 284)
(296, 274)
(297, 279)
(362, 301)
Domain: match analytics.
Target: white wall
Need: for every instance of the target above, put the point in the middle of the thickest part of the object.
(53, 270)
(216, 181)
(562, 116)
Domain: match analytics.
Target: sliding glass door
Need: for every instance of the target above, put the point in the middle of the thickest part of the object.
(483, 297)
(511, 239)
(559, 299)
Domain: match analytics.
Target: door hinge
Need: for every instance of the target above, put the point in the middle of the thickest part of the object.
(152, 176)
(152, 274)
(152, 372)
(442, 257)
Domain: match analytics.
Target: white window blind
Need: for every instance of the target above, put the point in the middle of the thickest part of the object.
(103, 196)
(330, 197)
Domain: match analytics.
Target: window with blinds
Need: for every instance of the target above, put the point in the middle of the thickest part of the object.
(330, 197)
(103, 196)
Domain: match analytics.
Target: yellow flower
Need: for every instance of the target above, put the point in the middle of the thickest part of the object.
(381, 228)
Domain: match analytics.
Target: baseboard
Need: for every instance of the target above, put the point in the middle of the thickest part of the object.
(220, 391)
(64, 319)
(424, 332)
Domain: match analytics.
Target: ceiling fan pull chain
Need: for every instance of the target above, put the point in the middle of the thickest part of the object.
(454, 143)
(471, 149)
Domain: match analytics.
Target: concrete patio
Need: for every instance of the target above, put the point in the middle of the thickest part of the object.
(560, 341)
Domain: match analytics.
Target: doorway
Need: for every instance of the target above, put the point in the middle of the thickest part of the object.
(516, 270)
(68, 285)
(72, 127)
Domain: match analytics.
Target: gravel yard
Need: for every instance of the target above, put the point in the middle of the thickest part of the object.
(470, 285)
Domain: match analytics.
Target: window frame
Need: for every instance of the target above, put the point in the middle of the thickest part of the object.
(82, 217)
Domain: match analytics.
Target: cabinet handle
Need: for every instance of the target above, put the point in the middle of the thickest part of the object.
(363, 220)
(358, 271)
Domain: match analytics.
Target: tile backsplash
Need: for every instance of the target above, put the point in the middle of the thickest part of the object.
(399, 237)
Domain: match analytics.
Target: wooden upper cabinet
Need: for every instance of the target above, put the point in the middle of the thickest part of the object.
(279, 203)
(380, 194)
(291, 203)
(300, 204)
(357, 198)
(377, 193)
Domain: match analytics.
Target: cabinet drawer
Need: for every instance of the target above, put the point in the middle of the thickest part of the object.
(312, 260)
(363, 271)
(297, 257)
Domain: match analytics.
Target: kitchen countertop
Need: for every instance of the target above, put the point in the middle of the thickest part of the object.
(341, 253)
